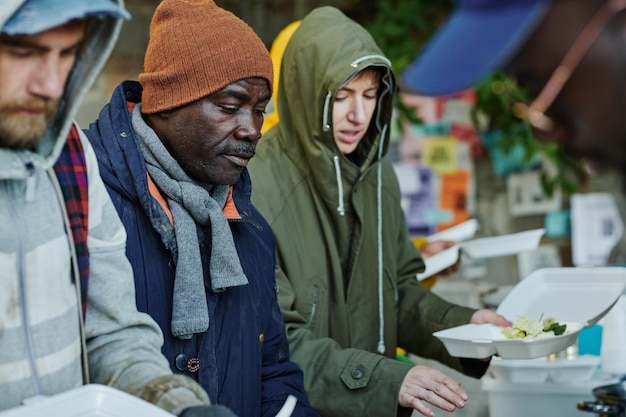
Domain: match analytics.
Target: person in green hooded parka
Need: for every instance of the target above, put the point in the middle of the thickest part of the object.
(346, 264)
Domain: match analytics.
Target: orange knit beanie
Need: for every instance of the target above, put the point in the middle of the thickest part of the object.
(197, 48)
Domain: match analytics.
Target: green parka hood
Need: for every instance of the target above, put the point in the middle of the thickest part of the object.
(326, 51)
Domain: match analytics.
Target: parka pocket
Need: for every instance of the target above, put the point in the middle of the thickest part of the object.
(393, 286)
(312, 305)
(313, 302)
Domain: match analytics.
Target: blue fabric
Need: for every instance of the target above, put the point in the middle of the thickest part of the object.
(251, 377)
(36, 16)
(477, 37)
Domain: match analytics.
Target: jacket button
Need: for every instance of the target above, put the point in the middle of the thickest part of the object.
(261, 338)
(357, 373)
(185, 363)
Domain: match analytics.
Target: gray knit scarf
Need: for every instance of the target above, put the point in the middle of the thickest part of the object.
(191, 204)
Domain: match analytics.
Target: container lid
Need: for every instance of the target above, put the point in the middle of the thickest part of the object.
(581, 294)
(514, 243)
(437, 263)
(458, 233)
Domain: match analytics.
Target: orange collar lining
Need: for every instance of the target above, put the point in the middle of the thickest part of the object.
(229, 209)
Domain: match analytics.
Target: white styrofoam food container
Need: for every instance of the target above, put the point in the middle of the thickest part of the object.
(484, 340)
(449, 256)
(543, 369)
(95, 400)
(578, 297)
(547, 399)
(458, 233)
(489, 247)
(439, 262)
(92, 400)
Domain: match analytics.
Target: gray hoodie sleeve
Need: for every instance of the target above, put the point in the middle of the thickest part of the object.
(123, 344)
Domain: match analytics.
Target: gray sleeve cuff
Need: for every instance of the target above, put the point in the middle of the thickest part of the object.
(173, 393)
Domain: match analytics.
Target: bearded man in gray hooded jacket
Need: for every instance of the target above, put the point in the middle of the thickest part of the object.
(60, 231)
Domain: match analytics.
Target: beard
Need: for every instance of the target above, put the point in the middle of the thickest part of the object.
(23, 131)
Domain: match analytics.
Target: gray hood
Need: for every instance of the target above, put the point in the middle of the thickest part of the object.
(100, 38)
(8, 8)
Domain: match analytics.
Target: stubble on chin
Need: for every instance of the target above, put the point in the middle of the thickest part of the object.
(19, 130)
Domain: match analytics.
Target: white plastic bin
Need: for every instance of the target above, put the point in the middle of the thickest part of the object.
(548, 399)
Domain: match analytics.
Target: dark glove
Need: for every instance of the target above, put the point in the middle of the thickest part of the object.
(207, 411)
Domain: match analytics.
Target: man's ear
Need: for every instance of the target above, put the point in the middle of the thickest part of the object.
(156, 120)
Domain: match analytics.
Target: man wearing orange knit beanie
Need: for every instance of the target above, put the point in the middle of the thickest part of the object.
(172, 150)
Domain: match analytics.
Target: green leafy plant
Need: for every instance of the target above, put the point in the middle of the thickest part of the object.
(494, 98)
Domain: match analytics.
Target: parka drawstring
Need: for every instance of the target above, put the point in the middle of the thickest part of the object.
(340, 207)
(379, 212)
(325, 124)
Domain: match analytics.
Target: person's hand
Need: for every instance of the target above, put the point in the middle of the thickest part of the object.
(484, 316)
(432, 248)
(432, 386)
(489, 316)
(207, 411)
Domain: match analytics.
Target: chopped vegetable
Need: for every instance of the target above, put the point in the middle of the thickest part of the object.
(555, 327)
(526, 327)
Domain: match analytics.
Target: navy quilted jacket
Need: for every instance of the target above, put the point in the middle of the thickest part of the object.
(244, 355)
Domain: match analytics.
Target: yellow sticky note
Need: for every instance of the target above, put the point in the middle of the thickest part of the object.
(439, 153)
